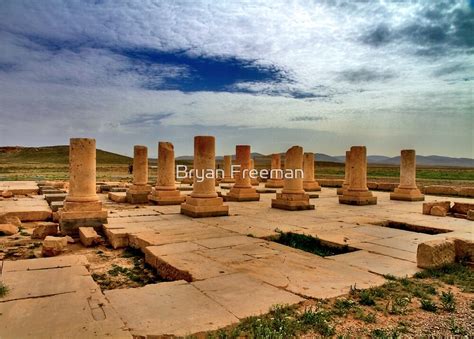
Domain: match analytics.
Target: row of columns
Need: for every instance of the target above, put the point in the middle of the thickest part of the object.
(82, 205)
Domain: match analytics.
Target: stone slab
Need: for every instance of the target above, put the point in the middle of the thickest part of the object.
(70, 315)
(45, 263)
(227, 241)
(118, 197)
(46, 282)
(26, 209)
(376, 263)
(175, 308)
(19, 187)
(234, 292)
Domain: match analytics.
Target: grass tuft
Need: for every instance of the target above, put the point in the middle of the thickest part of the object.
(3, 290)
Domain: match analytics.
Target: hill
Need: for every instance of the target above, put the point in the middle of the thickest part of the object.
(53, 155)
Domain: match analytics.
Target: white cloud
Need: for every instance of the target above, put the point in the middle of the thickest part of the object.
(359, 86)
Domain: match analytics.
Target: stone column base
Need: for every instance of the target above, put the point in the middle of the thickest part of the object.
(340, 190)
(242, 194)
(70, 221)
(410, 194)
(274, 183)
(166, 197)
(311, 186)
(138, 194)
(292, 202)
(254, 182)
(357, 198)
(227, 181)
(204, 207)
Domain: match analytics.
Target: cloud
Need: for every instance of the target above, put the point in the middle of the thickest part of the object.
(307, 118)
(365, 75)
(369, 69)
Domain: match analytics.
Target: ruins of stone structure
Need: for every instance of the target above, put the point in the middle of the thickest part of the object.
(204, 201)
(253, 179)
(82, 206)
(165, 192)
(357, 193)
(242, 189)
(309, 183)
(407, 190)
(347, 173)
(276, 178)
(293, 196)
(139, 191)
(228, 170)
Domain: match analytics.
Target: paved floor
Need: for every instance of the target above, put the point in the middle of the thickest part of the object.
(223, 269)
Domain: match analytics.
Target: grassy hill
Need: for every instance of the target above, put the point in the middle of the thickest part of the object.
(52, 155)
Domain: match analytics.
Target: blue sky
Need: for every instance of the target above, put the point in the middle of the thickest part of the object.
(321, 74)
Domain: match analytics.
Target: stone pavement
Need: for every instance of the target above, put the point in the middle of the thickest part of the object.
(55, 298)
(222, 269)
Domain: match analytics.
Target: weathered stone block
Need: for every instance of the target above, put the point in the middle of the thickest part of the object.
(56, 205)
(88, 236)
(386, 186)
(435, 253)
(8, 229)
(466, 192)
(464, 249)
(441, 190)
(53, 246)
(10, 219)
(427, 206)
(118, 197)
(7, 194)
(470, 215)
(462, 207)
(439, 211)
(44, 229)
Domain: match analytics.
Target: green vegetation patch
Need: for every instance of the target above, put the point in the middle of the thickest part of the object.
(310, 244)
(3, 289)
(452, 274)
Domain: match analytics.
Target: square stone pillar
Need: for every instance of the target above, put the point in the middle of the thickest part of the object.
(276, 178)
(309, 184)
(407, 190)
(139, 191)
(242, 189)
(253, 180)
(165, 192)
(347, 169)
(357, 193)
(228, 178)
(293, 196)
(82, 207)
(203, 201)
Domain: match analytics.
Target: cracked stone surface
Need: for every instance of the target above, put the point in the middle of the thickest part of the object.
(225, 268)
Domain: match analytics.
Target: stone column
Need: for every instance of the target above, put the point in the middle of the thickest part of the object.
(228, 178)
(347, 172)
(165, 192)
(242, 189)
(309, 184)
(275, 180)
(82, 206)
(203, 201)
(293, 196)
(139, 191)
(357, 192)
(253, 180)
(407, 190)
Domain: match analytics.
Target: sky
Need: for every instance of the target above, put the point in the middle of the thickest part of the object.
(324, 75)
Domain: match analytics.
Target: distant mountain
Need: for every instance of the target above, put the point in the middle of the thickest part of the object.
(421, 160)
(60, 155)
(53, 155)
